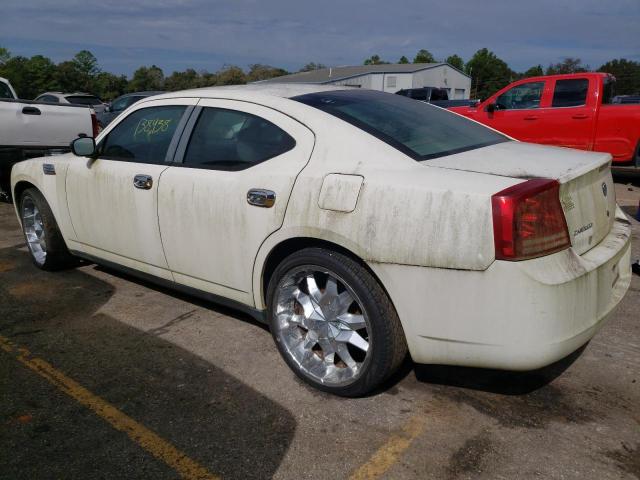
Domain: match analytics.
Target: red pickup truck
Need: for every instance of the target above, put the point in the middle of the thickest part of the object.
(573, 110)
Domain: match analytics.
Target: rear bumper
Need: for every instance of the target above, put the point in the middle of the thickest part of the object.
(514, 315)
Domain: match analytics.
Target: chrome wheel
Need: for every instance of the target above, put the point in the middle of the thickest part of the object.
(322, 326)
(34, 230)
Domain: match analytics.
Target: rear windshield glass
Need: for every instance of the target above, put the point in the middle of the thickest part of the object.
(83, 100)
(417, 129)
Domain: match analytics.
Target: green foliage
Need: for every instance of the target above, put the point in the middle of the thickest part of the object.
(259, 72)
(568, 65)
(312, 66)
(455, 61)
(182, 80)
(489, 74)
(424, 56)
(231, 75)
(5, 55)
(627, 73)
(147, 78)
(374, 60)
(535, 71)
(403, 60)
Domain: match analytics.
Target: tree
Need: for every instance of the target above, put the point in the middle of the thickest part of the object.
(455, 61)
(67, 77)
(15, 69)
(147, 78)
(312, 66)
(5, 55)
(109, 86)
(403, 60)
(489, 73)
(535, 71)
(627, 73)
(568, 65)
(424, 56)
(182, 80)
(231, 75)
(87, 67)
(41, 75)
(374, 60)
(259, 72)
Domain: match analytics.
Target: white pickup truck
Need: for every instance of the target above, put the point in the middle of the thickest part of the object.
(31, 129)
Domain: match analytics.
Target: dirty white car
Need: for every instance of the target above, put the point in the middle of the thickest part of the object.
(360, 225)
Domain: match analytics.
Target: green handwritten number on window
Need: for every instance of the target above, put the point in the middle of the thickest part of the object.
(152, 127)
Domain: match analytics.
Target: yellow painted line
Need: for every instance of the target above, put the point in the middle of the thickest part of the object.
(150, 441)
(389, 453)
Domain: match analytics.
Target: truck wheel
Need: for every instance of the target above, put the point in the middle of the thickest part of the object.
(46, 245)
(333, 323)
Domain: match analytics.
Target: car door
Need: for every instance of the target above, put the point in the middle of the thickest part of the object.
(570, 120)
(518, 111)
(113, 199)
(238, 164)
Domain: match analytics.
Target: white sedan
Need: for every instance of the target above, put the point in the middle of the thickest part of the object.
(359, 225)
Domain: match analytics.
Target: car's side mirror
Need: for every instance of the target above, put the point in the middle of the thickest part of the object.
(107, 108)
(491, 108)
(84, 147)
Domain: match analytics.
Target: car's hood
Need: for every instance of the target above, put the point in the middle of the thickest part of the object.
(524, 160)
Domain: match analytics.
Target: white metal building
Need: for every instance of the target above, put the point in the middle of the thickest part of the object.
(388, 78)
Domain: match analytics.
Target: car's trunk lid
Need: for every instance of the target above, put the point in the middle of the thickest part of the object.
(586, 187)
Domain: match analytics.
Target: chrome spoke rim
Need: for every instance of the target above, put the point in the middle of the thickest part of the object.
(322, 326)
(34, 230)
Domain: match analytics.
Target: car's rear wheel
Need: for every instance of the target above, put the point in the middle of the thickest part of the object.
(333, 323)
(46, 245)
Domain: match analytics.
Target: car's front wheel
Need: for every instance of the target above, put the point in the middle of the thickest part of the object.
(333, 323)
(46, 245)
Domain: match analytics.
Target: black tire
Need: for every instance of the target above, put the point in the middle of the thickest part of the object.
(57, 256)
(387, 343)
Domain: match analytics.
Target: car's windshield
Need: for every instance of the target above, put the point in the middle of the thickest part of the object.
(83, 100)
(417, 129)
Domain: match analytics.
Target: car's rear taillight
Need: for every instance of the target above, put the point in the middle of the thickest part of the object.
(94, 124)
(528, 220)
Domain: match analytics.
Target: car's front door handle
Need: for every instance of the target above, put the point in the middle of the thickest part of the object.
(143, 182)
(31, 111)
(260, 197)
(580, 116)
(531, 117)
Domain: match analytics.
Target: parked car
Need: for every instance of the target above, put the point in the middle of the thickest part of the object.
(435, 96)
(33, 129)
(119, 105)
(626, 99)
(575, 111)
(6, 90)
(357, 224)
(77, 98)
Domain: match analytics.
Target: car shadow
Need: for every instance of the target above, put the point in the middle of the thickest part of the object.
(212, 417)
(495, 381)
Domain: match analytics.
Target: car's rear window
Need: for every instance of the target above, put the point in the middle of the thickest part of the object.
(83, 100)
(419, 130)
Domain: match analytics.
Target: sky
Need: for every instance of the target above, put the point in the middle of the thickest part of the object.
(206, 35)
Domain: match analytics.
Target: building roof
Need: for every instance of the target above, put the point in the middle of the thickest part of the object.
(332, 74)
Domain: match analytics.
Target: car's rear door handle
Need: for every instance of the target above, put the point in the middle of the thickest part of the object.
(143, 182)
(260, 197)
(531, 117)
(580, 116)
(31, 111)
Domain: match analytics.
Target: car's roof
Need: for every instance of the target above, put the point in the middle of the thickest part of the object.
(75, 94)
(283, 90)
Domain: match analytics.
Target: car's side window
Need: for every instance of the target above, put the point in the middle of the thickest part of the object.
(570, 93)
(143, 136)
(232, 140)
(48, 98)
(521, 97)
